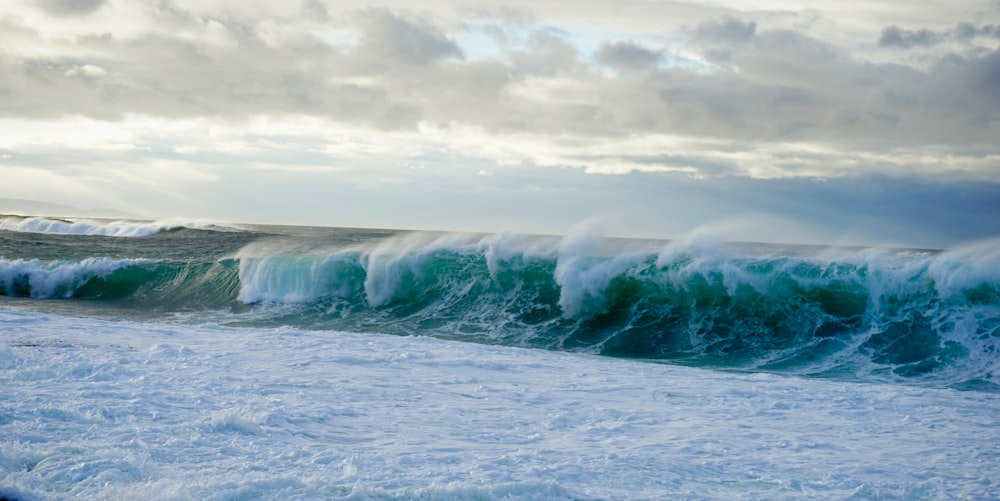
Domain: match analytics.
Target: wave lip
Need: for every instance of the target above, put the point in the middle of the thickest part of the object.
(106, 228)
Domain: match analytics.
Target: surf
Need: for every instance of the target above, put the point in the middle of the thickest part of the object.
(842, 313)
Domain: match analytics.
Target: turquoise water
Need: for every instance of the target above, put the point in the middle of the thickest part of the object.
(907, 316)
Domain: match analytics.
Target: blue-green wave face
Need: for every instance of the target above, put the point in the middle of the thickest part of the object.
(852, 314)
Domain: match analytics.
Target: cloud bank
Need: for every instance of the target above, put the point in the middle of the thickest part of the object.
(705, 92)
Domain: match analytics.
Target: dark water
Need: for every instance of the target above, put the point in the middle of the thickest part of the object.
(908, 316)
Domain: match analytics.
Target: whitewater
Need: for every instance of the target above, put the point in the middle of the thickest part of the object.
(201, 361)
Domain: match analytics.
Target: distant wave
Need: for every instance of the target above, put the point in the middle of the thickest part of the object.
(108, 228)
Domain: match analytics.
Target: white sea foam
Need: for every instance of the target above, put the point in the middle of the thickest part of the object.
(392, 260)
(294, 279)
(583, 279)
(967, 266)
(107, 228)
(121, 410)
(507, 250)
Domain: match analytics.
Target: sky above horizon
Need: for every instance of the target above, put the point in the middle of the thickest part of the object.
(851, 122)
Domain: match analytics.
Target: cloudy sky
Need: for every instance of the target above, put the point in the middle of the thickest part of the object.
(871, 122)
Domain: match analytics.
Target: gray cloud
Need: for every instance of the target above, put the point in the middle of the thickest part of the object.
(727, 30)
(395, 39)
(896, 37)
(628, 55)
(791, 86)
(967, 31)
(314, 10)
(70, 7)
(893, 36)
(715, 37)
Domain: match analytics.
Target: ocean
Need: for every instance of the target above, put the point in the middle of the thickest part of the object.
(195, 360)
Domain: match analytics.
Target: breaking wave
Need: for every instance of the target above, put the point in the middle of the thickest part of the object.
(96, 227)
(847, 313)
(850, 312)
(142, 282)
